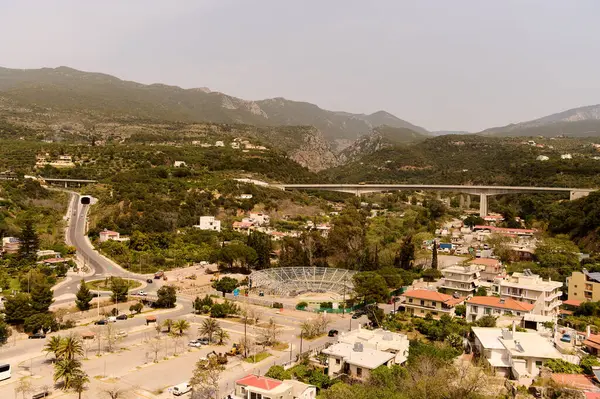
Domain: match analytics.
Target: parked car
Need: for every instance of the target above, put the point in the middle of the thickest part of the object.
(332, 333)
(181, 389)
(122, 316)
(111, 319)
(566, 338)
(203, 341)
(357, 315)
(38, 335)
(149, 280)
(142, 293)
(195, 344)
(101, 322)
(122, 334)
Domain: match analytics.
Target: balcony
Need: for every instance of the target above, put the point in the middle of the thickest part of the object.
(554, 296)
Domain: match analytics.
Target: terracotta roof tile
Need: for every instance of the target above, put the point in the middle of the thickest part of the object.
(263, 383)
(433, 296)
(502, 303)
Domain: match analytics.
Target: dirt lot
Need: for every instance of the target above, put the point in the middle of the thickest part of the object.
(194, 280)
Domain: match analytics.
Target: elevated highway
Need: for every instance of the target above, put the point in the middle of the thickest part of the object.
(482, 191)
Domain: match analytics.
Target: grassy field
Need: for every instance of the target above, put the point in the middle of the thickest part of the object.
(257, 358)
(104, 285)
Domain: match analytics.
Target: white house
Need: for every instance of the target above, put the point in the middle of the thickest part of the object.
(542, 158)
(209, 223)
(179, 164)
(106, 235)
(244, 196)
(355, 360)
(566, 156)
(380, 340)
(219, 144)
(259, 219)
(514, 354)
(257, 387)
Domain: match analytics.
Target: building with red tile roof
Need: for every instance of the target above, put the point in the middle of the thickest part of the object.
(575, 381)
(253, 386)
(480, 306)
(592, 342)
(421, 302)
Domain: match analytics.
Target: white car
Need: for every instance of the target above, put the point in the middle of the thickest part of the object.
(112, 319)
(195, 344)
(142, 293)
(181, 389)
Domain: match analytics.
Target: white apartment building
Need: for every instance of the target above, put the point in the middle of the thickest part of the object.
(460, 279)
(260, 219)
(531, 288)
(480, 306)
(355, 360)
(209, 223)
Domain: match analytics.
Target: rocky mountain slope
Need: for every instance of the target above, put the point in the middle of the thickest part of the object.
(576, 122)
(95, 96)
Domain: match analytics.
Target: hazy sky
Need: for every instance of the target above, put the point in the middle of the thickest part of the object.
(454, 65)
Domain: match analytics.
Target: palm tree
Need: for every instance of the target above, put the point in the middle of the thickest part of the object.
(222, 336)
(169, 324)
(70, 347)
(78, 383)
(67, 370)
(209, 327)
(53, 346)
(181, 326)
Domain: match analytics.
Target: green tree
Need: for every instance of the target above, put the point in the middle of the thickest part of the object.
(558, 253)
(201, 305)
(168, 323)
(434, 256)
(79, 383)
(209, 328)
(29, 242)
(562, 366)
(431, 275)
(41, 293)
(181, 326)
(67, 370)
(406, 254)
(473, 220)
(70, 347)
(486, 321)
(262, 245)
(137, 308)
(375, 315)
(53, 346)
(84, 297)
(237, 253)
(225, 284)
(588, 362)
(5, 332)
(481, 291)
(455, 341)
(460, 310)
(221, 336)
(17, 308)
(40, 321)
(278, 373)
(370, 287)
(119, 288)
(167, 297)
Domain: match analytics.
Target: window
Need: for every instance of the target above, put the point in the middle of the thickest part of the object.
(410, 300)
(358, 372)
(422, 311)
(538, 363)
(475, 309)
(422, 302)
(337, 361)
(434, 313)
(432, 303)
(488, 311)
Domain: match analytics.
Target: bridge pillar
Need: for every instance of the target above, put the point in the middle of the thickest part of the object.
(468, 201)
(66, 185)
(483, 205)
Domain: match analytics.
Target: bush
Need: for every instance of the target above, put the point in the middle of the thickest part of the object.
(277, 305)
(326, 305)
(217, 311)
(301, 305)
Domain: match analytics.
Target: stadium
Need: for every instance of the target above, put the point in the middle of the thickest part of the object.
(297, 281)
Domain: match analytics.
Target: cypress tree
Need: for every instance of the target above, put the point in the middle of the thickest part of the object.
(41, 294)
(84, 297)
(30, 242)
(434, 260)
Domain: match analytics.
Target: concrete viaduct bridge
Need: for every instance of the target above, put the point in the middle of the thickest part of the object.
(482, 191)
(66, 182)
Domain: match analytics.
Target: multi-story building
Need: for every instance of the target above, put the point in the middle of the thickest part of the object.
(380, 340)
(489, 268)
(480, 306)
(10, 245)
(460, 279)
(584, 286)
(209, 223)
(531, 288)
(421, 302)
(355, 361)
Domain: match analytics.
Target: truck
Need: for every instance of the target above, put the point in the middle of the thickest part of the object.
(237, 349)
(159, 274)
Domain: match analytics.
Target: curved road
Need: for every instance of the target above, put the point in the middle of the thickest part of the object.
(103, 267)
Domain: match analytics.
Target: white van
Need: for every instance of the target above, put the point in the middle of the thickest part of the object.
(181, 389)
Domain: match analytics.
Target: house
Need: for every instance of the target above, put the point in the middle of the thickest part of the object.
(244, 196)
(531, 288)
(235, 145)
(257, 387)
(380, 340)
(354, 360)
(47, 252)
(514, 354)
(480, 306)
(242, 226)
(10, 245)
(505, 231)
(106, 235)
(489, 268)
(209, 223)
(219, 144)
(566, 156)
(542, 158)
(463, 280)
(592, 343)
(420, 302)
(260, 219)
(584, 286)
(179, 164)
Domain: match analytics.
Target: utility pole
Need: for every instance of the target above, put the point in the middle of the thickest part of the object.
(344, 298)
(301, 336)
